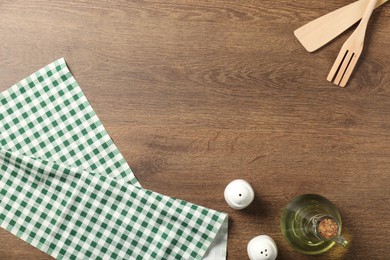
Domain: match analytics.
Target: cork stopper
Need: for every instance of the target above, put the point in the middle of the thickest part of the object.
(328, 228)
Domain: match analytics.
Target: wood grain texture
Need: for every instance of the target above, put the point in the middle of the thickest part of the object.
(198, 93)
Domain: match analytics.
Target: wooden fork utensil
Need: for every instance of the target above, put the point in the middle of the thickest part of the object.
(350, 51)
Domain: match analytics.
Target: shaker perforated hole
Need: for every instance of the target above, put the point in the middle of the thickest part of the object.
(239, 194)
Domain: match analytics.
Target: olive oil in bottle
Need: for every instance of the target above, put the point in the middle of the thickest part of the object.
(311, 224)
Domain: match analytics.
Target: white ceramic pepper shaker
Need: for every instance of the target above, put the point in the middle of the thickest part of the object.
(239, 194)
(262, 247)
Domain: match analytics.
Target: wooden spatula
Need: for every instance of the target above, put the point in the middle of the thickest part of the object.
(322, 30)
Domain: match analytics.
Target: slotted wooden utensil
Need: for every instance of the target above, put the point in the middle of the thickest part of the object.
(322, 30)
(350, 51)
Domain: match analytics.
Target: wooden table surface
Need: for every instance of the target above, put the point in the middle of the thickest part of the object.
(198, 93)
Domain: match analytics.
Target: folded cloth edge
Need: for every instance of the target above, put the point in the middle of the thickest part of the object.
(40, 165)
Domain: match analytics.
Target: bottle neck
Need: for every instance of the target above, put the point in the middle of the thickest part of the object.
(327, 228)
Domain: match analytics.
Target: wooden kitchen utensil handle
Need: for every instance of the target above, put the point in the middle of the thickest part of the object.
(322, 30)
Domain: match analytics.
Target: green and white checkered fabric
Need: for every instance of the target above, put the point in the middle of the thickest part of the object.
(66, 189)
(47, 116)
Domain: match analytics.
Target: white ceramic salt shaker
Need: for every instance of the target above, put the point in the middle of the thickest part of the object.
(262, 247)
(239, 194)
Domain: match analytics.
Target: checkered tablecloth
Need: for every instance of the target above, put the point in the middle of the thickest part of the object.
(66, 189)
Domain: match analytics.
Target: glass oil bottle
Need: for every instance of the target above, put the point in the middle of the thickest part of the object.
(312, 224)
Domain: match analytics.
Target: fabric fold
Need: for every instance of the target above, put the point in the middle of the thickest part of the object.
(66, 189)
